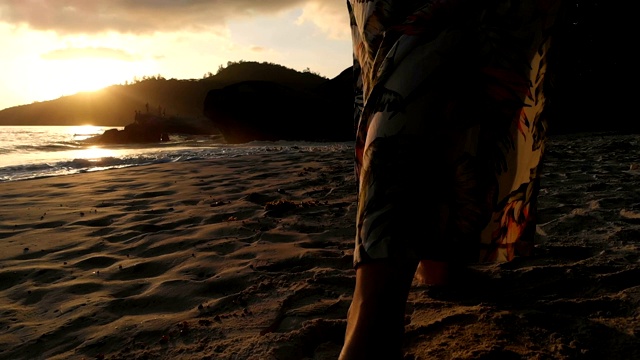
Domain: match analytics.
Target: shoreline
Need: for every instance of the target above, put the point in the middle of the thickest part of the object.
(88, 158)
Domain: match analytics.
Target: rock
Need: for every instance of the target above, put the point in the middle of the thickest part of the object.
(148, 128)
(265, 110)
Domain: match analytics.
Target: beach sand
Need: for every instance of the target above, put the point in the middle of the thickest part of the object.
(251, 258)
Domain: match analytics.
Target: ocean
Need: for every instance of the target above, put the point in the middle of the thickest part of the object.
(28, 152)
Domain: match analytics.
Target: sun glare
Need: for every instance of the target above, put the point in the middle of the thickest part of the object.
(71, 76)
(79, 75)
(94, 153)
(84, 132)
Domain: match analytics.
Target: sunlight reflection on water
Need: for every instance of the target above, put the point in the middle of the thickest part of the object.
(94, 153)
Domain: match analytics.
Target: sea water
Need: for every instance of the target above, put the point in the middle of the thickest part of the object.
(28, 152)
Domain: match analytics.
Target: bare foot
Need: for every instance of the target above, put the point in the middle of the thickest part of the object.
(432, 272)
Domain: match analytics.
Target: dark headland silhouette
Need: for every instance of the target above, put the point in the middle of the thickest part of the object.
(117, 105)
(267, 110)
(591, 91)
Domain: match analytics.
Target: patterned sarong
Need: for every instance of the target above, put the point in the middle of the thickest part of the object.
(450, 126)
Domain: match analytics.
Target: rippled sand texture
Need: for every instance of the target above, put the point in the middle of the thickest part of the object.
(250, 258)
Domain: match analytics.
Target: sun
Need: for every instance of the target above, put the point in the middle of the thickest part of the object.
(71, 76)
(63, 77)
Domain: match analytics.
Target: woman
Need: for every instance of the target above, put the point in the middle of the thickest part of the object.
(450, 138)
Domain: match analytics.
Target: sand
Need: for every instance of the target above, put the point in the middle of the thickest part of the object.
(251, 258)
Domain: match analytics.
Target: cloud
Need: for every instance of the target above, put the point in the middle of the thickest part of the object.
(330, 17)
(258, 49)
(139, 16)
(88, 52)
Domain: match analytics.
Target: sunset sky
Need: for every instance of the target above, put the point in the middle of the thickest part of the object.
(52, 48)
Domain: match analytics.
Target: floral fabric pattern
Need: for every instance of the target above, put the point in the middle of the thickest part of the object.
(449, 100)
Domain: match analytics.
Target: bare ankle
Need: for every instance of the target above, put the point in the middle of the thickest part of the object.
(431, 272)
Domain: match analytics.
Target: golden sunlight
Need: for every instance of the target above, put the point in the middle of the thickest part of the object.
(83, 132)
(71, 76)
(94, 153)
(77, 75)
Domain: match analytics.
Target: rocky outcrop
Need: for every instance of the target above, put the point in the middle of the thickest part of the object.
(266, 110)
(149, 128)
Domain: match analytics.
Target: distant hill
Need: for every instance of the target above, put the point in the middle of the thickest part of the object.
(116, 105)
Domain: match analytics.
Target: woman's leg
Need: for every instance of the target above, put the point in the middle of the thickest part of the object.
(375, 321)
